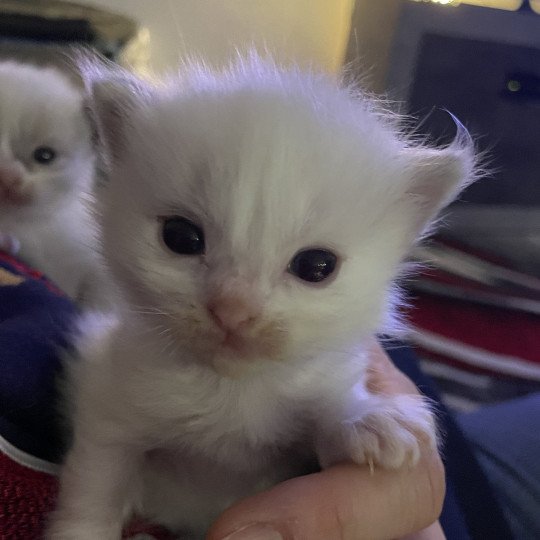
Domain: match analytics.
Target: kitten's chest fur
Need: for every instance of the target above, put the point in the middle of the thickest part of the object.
(181, 489)
(210, 440)
(57, 242)
(225, 418)
(221, 448)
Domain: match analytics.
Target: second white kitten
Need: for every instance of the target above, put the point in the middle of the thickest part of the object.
(255, 220)
(46, 174)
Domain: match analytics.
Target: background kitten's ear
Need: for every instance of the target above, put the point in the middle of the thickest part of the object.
(437, 176)
(113, 97)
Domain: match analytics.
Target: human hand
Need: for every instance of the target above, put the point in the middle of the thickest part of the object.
(346, 501)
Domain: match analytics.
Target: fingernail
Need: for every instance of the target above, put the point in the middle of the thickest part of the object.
(255, 532)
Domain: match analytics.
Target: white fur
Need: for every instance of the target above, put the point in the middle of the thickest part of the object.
(50, 226)
(170, 423)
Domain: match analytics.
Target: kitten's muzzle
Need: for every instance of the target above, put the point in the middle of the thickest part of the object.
(239, 317)
(12, 189)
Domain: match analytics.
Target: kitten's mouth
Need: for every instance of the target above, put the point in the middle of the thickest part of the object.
(235, 353)
(237, 344)
(267, 343)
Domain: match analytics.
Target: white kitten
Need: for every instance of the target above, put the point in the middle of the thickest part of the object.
(46, 166)
(255, 220)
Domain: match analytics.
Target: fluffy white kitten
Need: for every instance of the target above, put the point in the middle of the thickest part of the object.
(255, 221)
(46, 165)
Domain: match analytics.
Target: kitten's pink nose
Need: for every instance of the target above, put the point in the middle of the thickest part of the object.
(231, 313)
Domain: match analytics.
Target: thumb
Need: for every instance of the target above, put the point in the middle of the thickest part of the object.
(344, 502)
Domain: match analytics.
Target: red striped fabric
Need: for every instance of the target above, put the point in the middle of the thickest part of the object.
(476, 314)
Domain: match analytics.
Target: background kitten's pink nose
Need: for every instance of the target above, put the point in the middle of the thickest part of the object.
(231, 313)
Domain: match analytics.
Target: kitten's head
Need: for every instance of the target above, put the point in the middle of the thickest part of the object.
(45, 144)
(262, 212)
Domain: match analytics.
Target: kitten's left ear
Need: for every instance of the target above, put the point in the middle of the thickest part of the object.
(113, 95)
(437, 176)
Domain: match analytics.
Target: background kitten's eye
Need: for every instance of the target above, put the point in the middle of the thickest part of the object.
(44, 154)
(313, 264)
(182, 236)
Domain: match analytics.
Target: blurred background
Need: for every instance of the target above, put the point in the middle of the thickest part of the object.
(476, 311)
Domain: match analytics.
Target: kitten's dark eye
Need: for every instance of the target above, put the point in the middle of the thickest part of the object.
(313, 264)
(44, 155)
(182, 236)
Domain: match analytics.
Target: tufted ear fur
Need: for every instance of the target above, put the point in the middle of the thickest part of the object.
(113, 95)
(437, 176)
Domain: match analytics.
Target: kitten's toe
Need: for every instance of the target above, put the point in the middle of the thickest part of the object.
(391, 435)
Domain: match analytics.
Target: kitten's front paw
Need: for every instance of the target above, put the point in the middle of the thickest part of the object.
(391, 433)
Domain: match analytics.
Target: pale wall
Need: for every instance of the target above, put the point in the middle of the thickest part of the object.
(306, 31)
(373, 26)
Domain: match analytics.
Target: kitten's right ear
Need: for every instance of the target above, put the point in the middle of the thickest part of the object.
(113, 98)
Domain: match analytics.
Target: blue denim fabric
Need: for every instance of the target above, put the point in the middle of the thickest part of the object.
(506, 441)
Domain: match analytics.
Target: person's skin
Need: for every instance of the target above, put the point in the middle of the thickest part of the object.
(346, 501)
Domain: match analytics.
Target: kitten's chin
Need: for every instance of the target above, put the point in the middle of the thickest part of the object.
(228, 363)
